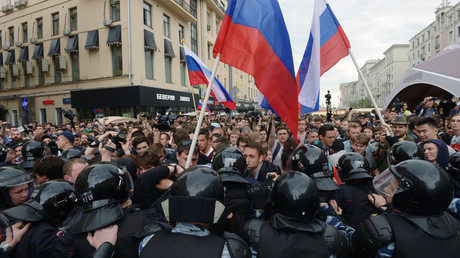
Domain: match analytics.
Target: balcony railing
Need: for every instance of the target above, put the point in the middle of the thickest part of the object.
(186, 7)
(219, 5)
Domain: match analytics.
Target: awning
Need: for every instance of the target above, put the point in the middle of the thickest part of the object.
(10, 58)
(92, 40)
(72, 44)
(169, 51)
(24, 54)
(38, 51)
(55, 47)
(182, 55)
(1, 59)
(149, 41)
(114, 37)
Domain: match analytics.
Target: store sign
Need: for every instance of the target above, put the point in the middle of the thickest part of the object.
(98, 111)
(184, 98)
(165, 97)
(48, 102)
(66, 101)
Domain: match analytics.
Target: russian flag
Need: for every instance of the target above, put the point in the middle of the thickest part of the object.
(253, 38)
(198, 73)
(200, 106)
(326, 46)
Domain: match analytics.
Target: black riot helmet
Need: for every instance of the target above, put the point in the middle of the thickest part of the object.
(402, 151)
(71, 153)
(101, 188)
(417, 186)
(3, 153)
(453, 168)
(31, 152)
(52, 200)
(11, 177)
(308, 159)
(231, 165)
(353, 166)
(295, 195)
(197, 195)
(230, 157)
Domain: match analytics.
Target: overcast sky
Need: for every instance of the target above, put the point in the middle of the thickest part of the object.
(372, 26)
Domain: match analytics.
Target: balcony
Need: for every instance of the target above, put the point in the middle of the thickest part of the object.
(217, 7)
(182, 8)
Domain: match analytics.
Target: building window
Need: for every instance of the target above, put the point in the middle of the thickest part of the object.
(73, 19)
(13, 78)
(57, 71)
(14, 117)
(1, 39)
(451, 35)
(194, 37)
(429, 48)
(11, 34)
(147, 14)
(168, 72)
(39, 28)
(55, 19)
(115, 10)
(75, 62)
(25, 36)
(182, 74)
(193, 7)
(208, 20)
(166, 25)
(117, 61)
(41, 75)
(58, 112)
(458, 31)
(209, 51)
(2, 86)
(43, 119)
(149, 64)
(181, 34)
(26, 76)
(217, 27)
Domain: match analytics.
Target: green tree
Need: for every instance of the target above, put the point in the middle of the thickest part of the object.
(362, 103)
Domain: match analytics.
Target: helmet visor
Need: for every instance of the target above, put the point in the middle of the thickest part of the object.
(386, 184)
(18, 180)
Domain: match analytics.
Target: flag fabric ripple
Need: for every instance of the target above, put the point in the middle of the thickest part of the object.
(199, 73)
(253, 38)
(326, 46)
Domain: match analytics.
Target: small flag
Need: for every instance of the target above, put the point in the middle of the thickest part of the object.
(198, 73)
(200, 106)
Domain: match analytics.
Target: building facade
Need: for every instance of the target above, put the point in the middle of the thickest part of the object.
(382, 75)
(442, 32)
(112, 57)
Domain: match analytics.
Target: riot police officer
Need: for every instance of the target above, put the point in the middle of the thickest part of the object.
(240, 196)
(404, 150)
(31, 152)
(453, 169)
(16, 186)
(419, 225)
(293, 229)
(104, 189)
(196, 205)
(312, 161)
(48, 209)
(352, 197)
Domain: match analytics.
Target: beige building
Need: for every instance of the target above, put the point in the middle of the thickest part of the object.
(112, 57)
(442, 32)
(382, 76)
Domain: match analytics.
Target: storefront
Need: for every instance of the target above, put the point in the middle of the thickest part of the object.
(130, 101)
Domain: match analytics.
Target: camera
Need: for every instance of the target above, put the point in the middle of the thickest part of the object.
(254, 115)
(164, 122)
(398, 105)
(68, 114)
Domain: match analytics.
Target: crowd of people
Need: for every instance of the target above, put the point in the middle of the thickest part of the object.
(350, 186)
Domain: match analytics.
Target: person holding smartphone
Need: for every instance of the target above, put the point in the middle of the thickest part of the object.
(426, 107)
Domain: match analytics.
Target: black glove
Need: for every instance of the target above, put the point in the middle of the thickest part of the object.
(256, 194)
(392, 139)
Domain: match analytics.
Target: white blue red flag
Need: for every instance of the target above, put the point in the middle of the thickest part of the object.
(199, 73)
(200, 106)
(326, 46)
(253, 38)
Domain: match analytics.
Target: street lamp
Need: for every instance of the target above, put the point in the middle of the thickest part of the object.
(328, 106)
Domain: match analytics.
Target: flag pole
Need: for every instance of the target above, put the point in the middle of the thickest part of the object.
(194, 103)
(203, 108)
(367, 87)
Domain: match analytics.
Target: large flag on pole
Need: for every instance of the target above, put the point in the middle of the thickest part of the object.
(199, 73)
(326, 46)
(253, 38)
